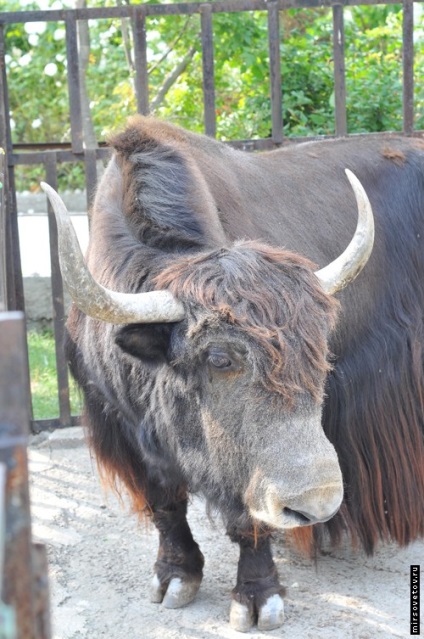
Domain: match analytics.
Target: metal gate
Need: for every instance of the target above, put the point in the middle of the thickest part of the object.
(50, 154)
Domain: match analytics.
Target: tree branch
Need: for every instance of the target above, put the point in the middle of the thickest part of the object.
(172, 78)
(90, 141)
(172, 46)
(126, 39)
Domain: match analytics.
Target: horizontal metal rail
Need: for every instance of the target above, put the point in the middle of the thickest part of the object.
(183, 8)
(264, 144)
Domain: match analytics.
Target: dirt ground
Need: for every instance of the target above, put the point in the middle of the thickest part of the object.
(101, 566)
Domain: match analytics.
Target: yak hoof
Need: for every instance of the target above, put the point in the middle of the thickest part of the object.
(179, 593)
(241, 618)
(270, 615)
(156, 590)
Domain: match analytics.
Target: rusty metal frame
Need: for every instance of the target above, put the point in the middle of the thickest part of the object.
(51, 153)
(24, 608)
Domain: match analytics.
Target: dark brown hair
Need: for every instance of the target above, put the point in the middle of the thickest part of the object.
(273, 296)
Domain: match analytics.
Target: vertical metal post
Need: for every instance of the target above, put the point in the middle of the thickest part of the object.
(208, 70)
(14, 420)
(339, 70)
(408, 66)
(14, 283)
(140, 57)
(4, 123)
(77, 131)
(58, 303)
(3, 287)
(275, 71)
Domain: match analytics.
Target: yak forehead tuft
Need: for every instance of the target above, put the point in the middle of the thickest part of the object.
(273, 297)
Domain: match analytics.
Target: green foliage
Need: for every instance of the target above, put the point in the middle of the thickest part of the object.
(374, 70)
(307, 73)
(36, 63)
(43, 377)
(38, 91)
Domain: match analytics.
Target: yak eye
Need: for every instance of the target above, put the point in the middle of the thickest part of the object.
(220, 360)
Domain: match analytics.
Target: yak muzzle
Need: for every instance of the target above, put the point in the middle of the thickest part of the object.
(272, 503)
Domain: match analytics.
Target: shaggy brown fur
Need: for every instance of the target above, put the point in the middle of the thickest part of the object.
(286, 313)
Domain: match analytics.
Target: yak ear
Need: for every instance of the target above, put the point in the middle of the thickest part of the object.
(148, 342)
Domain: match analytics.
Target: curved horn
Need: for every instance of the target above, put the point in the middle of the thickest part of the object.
(96, 300)
(336, 275)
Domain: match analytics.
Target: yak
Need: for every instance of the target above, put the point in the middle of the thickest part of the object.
(224, 349)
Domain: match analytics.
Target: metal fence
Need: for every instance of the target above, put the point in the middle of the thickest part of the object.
(50, 154)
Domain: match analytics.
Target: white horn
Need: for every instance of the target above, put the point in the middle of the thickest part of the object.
(336, 275)
(96, 300)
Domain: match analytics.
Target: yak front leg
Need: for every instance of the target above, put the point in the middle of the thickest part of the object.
(179, 565)
(258, 595)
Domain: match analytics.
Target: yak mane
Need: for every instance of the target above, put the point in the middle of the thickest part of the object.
(274, 298)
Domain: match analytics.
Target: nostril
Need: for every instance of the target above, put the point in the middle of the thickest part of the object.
(302, 519)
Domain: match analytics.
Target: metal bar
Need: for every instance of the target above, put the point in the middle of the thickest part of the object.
(15, 286)
(4, 143)
(7, 613)
(8, 288)
(90, 159)
(20, 159)
(408, 66)
(339, 70)
(45, 146)
(14, 282)
(275, 71)
(77, 130)
(208, 70)
(3, 283)
(58, 302)
(62, 156)
(140, 56)
(227, 6)
(14, 419)
(11, 275)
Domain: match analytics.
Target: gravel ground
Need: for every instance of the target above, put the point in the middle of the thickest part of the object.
(101, 565)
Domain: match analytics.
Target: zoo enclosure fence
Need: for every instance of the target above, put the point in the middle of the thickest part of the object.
(50, 154)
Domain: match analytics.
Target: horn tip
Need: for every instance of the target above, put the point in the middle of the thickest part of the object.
(353, 179)
(351, 176)
(46, 187)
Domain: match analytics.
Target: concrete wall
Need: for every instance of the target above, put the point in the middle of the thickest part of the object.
(36, 203)
(35, 254)
(38, 302)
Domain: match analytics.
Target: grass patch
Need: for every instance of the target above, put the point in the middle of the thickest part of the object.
(44, 389)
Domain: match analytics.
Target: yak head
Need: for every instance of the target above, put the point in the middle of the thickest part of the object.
(239, 383)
